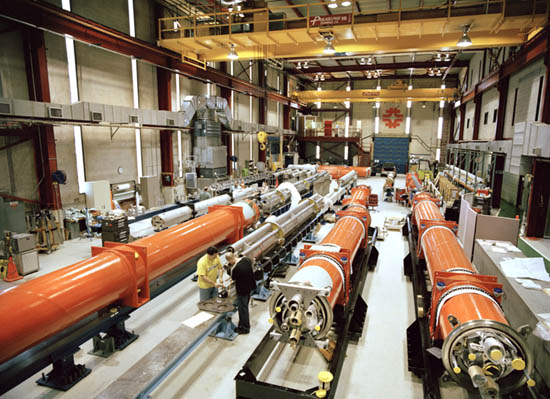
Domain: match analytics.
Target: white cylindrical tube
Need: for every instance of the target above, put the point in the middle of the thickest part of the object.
(171, 218)
(313, 276)
(309, 167)
(202, 207)
(295, 196)
(348, 178)
(122, 187)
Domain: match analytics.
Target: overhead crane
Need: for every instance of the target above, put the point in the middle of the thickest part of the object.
(255, 34)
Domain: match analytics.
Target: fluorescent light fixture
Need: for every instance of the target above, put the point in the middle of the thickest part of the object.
(442, 104)
(332, 4)
(377, 125)
(437, 154)
(318, 151)
(440, 128)
(465, 40)
(232, 53)
(409, 103)
(408, 125)
(377, 105)
(348, 87)
(346, 3)
(346, 152)
(319, 102)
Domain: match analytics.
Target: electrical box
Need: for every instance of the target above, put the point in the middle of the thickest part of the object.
(98, 195)
(23, 242)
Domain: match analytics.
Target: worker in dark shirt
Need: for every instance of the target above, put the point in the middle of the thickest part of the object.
(242, 274)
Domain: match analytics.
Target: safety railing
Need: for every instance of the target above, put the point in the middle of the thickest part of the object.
(309, 15)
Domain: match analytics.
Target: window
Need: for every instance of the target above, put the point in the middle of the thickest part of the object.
(468, 123)
(541, 83)
(514, 110)
(485, 118)
(495, 115)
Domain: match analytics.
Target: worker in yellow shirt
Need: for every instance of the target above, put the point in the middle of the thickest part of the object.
(209, 271)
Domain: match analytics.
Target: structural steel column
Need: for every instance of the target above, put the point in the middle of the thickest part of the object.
(502, 87)
(166, 147)
(477, 116)
(545, 112)
(452, 125)
(462, 122)
(43, 136)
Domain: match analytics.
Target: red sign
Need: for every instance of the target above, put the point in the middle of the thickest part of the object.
(328, 20)
(392, 117)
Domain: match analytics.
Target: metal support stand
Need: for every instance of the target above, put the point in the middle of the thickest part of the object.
(225, 328)
(64, 374)
(115, 338)
(420, 361)
(261, 293)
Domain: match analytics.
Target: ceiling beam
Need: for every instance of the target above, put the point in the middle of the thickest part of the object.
(388, 66)
(295, 9)
(53, 19)
(450, 78)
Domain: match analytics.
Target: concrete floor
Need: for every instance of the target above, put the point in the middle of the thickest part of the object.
(377, 365)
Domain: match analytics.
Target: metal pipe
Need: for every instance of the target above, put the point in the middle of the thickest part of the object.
(348, 178)
(337, 171)
(170, 218)
(113, 275)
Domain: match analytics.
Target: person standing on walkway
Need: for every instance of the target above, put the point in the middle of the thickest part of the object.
(242, 274)
(209, 271)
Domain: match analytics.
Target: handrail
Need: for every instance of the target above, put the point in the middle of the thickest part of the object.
(181, 24)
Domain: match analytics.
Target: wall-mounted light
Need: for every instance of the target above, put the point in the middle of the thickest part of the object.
(232, 53)
(465, 40)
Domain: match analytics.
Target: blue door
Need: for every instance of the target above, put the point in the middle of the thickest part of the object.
(392, 149)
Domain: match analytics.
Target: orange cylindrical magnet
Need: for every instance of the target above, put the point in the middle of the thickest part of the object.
(53, 302)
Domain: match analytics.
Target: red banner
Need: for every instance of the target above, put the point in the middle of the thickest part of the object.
(328, 20)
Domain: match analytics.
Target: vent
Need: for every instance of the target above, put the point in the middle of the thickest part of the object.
(96, 116)
(5, 108)
(170, 122)
(134, 119)
(55, 112)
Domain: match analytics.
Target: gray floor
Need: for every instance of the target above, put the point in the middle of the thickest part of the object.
(375, 366)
